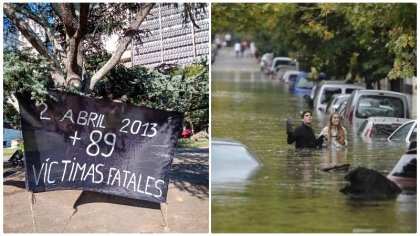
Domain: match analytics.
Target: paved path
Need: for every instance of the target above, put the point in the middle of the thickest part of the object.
(187, 209)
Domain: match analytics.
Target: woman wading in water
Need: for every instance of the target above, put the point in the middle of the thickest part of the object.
(335, 135)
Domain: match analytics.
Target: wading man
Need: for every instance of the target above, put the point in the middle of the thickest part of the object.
(303, 136)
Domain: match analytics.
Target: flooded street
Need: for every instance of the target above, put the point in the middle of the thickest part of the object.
(289, 193)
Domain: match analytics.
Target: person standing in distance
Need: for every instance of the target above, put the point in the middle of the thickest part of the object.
(237, 48)
(303, 136)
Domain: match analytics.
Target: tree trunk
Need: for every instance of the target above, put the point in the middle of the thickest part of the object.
(122, 45)
(75, 64)
(76, 29)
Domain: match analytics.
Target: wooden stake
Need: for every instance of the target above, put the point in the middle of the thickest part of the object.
(32, 201)
(164, 211)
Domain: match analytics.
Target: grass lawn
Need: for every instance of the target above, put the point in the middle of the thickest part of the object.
(7, 152)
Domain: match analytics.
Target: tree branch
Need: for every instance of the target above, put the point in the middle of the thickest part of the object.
(190, 15)
(47, 27)
(33, 39)
(66, 14)
(12, 100)
(83, 20)
(26, 30)
(124, 41)
(76, 30)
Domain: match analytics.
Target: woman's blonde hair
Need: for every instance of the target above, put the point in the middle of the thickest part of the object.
(341, 135)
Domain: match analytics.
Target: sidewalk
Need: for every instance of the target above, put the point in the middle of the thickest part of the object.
(187, 208)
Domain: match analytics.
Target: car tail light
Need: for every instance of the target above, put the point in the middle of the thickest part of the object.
(369, 133)
(351, 116)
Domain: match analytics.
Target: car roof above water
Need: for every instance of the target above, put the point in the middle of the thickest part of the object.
(232, 162)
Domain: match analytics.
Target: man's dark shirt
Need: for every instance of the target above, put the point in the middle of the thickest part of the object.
(304, 137)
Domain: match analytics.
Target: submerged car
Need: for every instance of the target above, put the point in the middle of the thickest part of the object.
(407, 133)
(404, 173)
(335, 102)
(302, 85)
(289, 75)
(232, 163)
(365, 103)
(327, 88)
(283, 63)
(379, 127)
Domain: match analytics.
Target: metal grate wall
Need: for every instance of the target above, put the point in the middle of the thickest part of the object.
(170, 41)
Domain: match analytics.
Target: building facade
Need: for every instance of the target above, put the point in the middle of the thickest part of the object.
(171, 41)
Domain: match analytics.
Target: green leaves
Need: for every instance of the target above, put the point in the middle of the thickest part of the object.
(170, 88)
(326, 36)
(25, 72)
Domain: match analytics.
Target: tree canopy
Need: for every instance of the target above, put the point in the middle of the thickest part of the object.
(370, 40)
(74, 30)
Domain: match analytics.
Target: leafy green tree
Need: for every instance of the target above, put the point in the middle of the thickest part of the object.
(70, 54)
(76, 29)
(170, 87)
(345, 40)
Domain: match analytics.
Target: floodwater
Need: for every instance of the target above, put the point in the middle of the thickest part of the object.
(289, 194)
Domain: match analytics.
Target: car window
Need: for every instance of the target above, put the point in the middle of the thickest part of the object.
(340, 100)
(292, 77)
(304, 82)
(332, 101)
(413, 136)
(315, 91)
(401, 133)
(327, 94)
(284, 63)
(406, 167)
(372, 105)
(341, 108)
(383, 130)
(349, 90)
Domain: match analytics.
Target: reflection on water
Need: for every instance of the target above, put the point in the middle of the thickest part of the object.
(290, 193)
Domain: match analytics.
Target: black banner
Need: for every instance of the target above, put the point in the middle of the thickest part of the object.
(75, 142)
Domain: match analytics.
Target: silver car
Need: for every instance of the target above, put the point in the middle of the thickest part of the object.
(407, 133)
(327, 88)
(335, 102)
(363, 104)
(379, 127)
(232, 164)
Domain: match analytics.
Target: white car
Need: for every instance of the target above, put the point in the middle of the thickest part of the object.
(335, 102)
(327, 88)
(232, 163)
(404, 173)
(283, 62)
(366, 103)
(407, 132)
(379, 127)
(289, 75)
